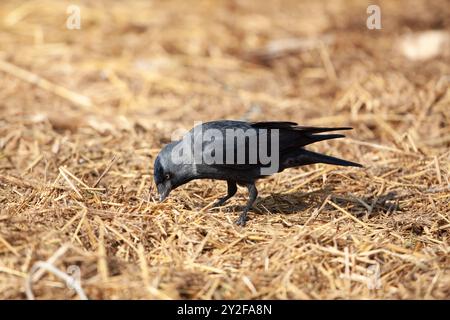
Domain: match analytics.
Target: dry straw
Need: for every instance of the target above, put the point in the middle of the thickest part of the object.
(84, 112)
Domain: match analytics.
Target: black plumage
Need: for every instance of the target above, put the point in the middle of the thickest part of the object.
(170, 172)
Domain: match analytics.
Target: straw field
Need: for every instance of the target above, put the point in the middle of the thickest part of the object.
(83, 113)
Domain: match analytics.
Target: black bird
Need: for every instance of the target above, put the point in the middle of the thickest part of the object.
(197, 157)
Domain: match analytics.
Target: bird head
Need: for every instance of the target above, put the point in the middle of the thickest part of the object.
(162, 179)
(167, 174)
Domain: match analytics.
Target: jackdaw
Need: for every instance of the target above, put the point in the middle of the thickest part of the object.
(241, 153)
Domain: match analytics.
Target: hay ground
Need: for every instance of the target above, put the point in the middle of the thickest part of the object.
(84, 112)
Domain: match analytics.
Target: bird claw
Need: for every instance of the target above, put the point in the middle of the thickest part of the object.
(242, 219)
(218, 203)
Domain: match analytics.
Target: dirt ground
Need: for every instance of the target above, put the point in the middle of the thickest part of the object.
(83, 113)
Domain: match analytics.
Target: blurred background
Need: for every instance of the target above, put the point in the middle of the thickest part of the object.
(180, 61)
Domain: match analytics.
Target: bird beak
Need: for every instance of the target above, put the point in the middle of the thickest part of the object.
(163, 190)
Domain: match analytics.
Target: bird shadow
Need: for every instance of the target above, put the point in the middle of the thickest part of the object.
(295, 202)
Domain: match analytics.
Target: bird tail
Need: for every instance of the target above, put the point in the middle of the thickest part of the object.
(321, 137)
(303, 157)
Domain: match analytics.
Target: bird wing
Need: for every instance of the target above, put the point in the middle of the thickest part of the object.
(290, 137)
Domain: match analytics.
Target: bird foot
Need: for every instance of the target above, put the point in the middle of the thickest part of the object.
(219, 203)
(242, 219)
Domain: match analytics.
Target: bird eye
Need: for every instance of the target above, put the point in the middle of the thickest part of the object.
(167, 176)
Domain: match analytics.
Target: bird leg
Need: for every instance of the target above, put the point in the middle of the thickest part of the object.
(232, 188)
(252, 194)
